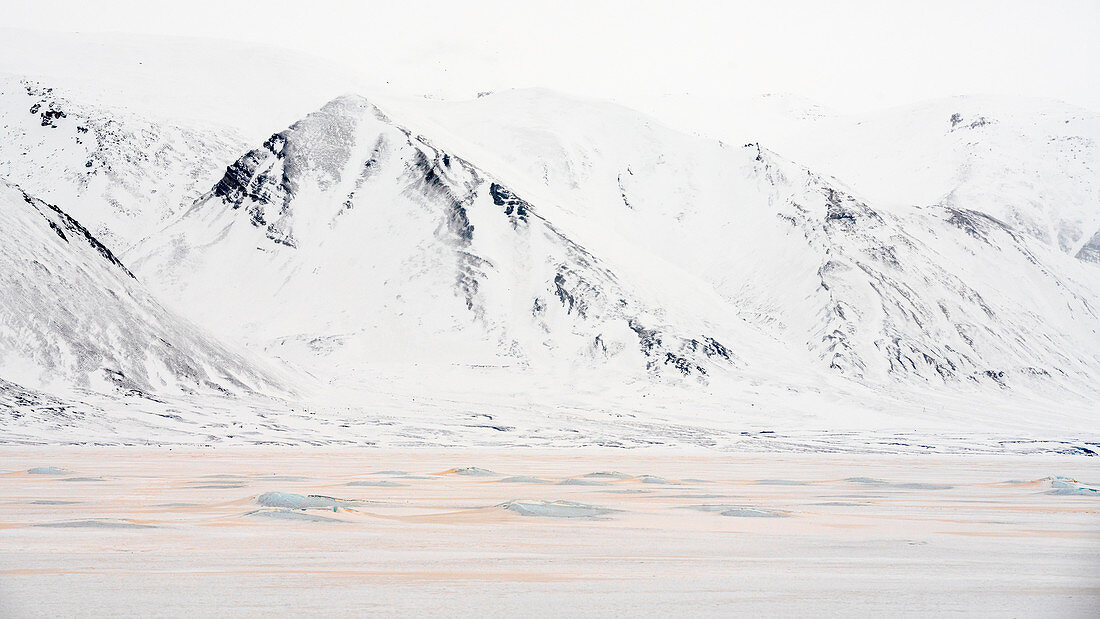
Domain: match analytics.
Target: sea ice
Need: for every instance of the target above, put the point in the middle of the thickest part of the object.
(740, 511)
(470, 471)
(48, 470)
(868, 481)
(290, 514)
(1071, 487)
(555, 509)
(289, 500)
(607, 475)
(653, 479)
(95, 524)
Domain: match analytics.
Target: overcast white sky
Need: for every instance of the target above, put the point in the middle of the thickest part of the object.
(848, 55)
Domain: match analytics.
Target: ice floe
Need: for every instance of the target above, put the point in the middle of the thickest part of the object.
(882, 483)
(219, 486)
(1071, 487)
(555, 509)
(291, 514)
(741, 511)
(91, 523)
(470, 471)
(48, 470)
(289, 500)
(607, 475)
(653, 479)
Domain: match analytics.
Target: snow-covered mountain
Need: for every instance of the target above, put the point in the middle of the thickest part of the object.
(73, 316)
(348, 241)
(534, 252)
(119, 173)
(1031, 163)
(883, 293)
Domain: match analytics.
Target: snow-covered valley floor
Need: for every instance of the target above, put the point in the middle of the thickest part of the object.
(250, 531)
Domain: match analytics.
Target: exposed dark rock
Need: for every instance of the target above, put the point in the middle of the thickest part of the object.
(514, 207)
(61, 223)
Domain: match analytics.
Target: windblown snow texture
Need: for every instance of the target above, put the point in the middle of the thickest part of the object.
(352, 229)
(74, 316)
(533, 251)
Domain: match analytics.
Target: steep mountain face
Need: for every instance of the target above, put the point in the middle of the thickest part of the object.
(947, 293)
(72, 315)
(1031, 163)
(548, 254)
(120, 174)
(348, 241)
(938, 293)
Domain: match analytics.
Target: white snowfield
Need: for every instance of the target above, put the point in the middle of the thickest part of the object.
(527, 268)
(201, 532)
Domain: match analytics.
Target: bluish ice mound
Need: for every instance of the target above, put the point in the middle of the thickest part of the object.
(607, 475)
(741, 511)
(1066, 486)
(523, 479)
(381, 483)
(229, 486)
(95, 524)
(83, 479)
(391, 473)
(290, 514)
(556, 509)
(688, 495)
(653, 479)
(52, 502)
(882, 483)
(48, 470)
(289, 500)
(470, 471)
(581, 482)
(754, 512)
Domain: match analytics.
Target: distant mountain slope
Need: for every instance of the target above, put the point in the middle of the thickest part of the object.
(72, 315)
(121, 174)
(347, 240)
(879, 293)
(1031, 163)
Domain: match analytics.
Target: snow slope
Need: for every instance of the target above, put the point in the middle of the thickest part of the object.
(550, 268)
(1032, 163)
(119, 173)
(73, 316)
(928, 295)
(355, 243)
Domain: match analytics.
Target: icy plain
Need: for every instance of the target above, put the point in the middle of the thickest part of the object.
(250, 531)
